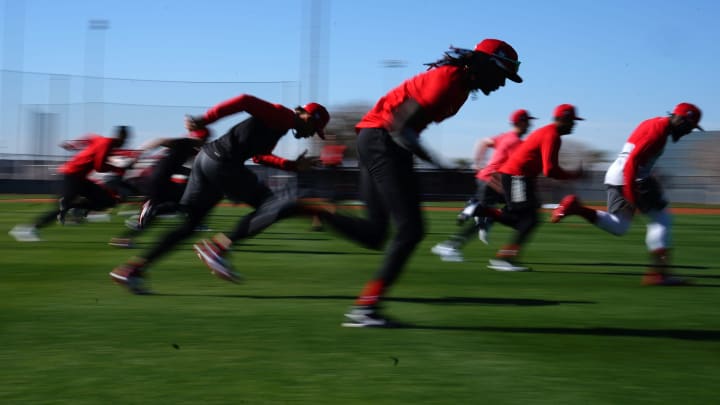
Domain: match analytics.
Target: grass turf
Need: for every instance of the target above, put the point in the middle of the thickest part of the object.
(578, 329)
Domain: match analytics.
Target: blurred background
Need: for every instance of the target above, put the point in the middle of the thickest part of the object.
(72, 69)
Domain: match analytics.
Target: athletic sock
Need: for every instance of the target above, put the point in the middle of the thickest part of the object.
(370, 295)
(508, 252)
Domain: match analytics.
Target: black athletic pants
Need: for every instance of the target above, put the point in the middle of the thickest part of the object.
(78, 192)
(521, 209)
(389, 187)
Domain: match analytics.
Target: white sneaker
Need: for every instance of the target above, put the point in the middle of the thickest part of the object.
(483, 235)
(505, 265)
(25, 233)
(467, 212)
(447, 253)
(365, 318)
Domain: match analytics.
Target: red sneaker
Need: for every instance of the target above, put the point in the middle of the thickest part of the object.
(209, 252)
(131, 277)
(656, 278)
(569, 205)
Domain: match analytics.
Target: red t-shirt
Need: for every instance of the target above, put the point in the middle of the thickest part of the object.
(503, 144)
(440, 92)
(93, 157)
(538, 153)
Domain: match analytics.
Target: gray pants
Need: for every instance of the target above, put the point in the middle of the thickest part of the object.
(210, 181)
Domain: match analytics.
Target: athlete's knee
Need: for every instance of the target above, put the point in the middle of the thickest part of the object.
(658, 230)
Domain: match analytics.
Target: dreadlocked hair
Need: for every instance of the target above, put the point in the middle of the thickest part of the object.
(455, 57)
(471, 61)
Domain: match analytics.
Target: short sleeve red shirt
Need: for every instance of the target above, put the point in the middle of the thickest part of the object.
(537, 154)
(504, 144)
(440, 92)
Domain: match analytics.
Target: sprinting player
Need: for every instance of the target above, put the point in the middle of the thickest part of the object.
(489, 191)
(388, 141)
(78, 191)
(219, 171)
(162, 192)
(631, 187)
(537, 154)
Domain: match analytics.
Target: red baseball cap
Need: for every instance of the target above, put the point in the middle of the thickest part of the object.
(202, 133)
(320, 115)
(566, 111)
(690, 112)
(520, 115)
(503, 55)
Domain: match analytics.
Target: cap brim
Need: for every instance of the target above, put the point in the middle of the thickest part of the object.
(321, 133)
(699, 127)
(579, 119)
(513, 76)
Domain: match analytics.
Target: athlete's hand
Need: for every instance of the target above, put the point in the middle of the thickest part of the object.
(303, 162)
(194, 123)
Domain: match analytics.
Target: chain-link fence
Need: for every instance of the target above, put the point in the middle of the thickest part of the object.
(39, 110)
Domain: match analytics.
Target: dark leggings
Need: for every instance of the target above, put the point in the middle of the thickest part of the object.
(78, 192)
(209, 182)
(389, 187)
(521, 209)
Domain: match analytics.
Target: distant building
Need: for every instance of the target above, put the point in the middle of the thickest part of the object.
(690, 169)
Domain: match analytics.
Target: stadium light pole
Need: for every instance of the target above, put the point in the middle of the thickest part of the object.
(94, 72)
(11, 79)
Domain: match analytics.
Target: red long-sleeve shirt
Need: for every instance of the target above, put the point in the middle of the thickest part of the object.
(537, 154)
(253, 138)
(639, 154)
(93, 157)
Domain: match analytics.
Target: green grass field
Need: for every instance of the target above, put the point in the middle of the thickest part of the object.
(578, 330)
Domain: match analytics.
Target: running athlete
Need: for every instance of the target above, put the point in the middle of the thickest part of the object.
(388, 140)
(489, 189)
(162, 191)
(78, 191)
(219, 171)
(538, 154)
(631, 187)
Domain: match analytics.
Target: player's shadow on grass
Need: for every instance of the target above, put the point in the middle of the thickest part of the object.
(633, 274)
(614, 264)
(629, 273)
(416, 300)
(684, 334)
(270, 249)
(485, 301)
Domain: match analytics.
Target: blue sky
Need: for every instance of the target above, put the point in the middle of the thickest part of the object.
(619, 62)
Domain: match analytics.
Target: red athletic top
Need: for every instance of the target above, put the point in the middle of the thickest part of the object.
(538, 153)
(440, 92)
(639, 154)
(93, 157)
(503, 144)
